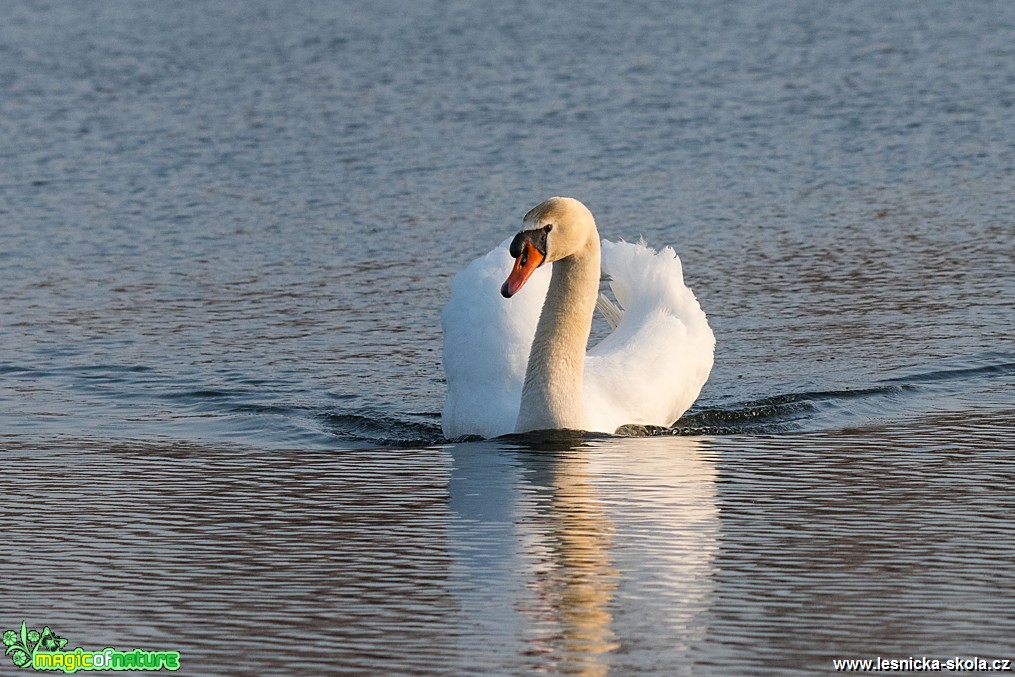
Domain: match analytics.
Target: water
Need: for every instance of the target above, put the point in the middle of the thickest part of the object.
(228, 229)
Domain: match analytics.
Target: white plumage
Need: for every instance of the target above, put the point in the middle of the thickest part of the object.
(647, 371)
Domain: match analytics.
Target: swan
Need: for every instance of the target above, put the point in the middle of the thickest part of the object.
(516, 361)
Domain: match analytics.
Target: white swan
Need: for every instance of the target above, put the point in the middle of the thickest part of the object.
(516, 361)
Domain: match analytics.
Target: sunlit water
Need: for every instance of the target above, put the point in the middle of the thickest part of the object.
(226, 232)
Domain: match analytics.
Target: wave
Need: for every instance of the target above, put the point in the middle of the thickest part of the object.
(1001, 368)
(149, 402)
(407, 430)
(779, 414)
(896, 396)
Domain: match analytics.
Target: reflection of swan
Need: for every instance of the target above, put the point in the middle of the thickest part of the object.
(584, 581)
(596, 558)
(661, 499)
(520, 364)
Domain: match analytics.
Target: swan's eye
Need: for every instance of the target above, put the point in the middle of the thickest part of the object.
(548, 227)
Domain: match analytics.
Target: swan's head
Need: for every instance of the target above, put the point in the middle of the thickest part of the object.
(554, 229)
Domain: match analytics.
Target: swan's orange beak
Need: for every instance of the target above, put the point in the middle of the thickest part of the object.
(528, 260)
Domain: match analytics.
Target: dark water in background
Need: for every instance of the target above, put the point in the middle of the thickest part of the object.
(226, 231)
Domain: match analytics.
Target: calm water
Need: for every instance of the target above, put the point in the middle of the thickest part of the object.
(226, 232)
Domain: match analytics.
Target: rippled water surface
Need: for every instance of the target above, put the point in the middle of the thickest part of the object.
(226, 232)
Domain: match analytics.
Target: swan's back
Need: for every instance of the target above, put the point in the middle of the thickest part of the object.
(652, 367)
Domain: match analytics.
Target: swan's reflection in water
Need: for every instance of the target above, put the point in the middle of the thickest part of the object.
(582, 580)
(594, 554)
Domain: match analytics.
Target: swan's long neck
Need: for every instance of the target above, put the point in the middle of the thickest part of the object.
(552, 395)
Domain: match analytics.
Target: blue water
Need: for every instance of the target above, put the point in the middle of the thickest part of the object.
(226, 233)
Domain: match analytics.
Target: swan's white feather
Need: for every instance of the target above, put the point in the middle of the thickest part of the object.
(648, 371)
(486, 345)
(651, 368)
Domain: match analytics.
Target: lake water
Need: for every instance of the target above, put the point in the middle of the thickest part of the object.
(226, 233)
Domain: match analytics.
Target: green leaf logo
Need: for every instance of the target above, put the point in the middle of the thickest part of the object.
(21, 646)
(45, 651)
